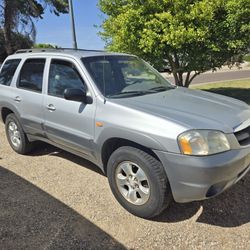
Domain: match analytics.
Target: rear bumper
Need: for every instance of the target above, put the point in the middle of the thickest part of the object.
(197, 178)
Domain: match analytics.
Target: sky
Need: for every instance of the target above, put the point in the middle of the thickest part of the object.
(57, 30)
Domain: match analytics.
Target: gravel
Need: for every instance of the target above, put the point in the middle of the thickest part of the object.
(51, 199)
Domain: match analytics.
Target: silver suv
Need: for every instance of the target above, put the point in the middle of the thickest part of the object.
(153, 140)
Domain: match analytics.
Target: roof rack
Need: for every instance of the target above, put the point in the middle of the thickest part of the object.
(53, 49)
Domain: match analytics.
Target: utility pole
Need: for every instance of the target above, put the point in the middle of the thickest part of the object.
(71, 11)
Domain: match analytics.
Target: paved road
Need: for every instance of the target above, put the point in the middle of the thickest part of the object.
(219, 76)
(51, 199)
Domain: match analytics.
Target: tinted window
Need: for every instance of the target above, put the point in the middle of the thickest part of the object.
(31, 76)
(8, 71)
(63, 75)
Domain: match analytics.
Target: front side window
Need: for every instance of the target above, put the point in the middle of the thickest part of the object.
(8, 71)
(63, 75)
(31, 76)
(124, 76)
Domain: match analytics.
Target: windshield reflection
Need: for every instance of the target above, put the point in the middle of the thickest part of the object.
(124, 76)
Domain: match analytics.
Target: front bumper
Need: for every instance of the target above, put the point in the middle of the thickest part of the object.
(197, 178)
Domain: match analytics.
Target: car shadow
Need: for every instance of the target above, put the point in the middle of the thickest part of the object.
(229, 209)
(32, 219)
(42, 148)
(242, 94)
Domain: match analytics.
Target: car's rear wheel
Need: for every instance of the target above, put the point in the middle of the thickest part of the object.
(16, 136)
(138, 181)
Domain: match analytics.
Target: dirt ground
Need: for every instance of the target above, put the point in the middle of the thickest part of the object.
(54, 200)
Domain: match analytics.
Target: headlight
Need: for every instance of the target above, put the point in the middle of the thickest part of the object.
(203, 142)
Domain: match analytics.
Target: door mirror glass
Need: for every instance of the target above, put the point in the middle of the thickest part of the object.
(77, 95)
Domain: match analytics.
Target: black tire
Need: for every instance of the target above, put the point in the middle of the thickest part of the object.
(160, 192)
(25, 146)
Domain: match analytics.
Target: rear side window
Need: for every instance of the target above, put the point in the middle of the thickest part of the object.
(63, 75)
(8, 71)
(31, 75)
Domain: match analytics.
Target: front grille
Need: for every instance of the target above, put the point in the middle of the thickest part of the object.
(243, 136)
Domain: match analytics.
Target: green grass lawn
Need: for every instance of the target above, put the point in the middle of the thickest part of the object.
(247, 58)
(237, 89)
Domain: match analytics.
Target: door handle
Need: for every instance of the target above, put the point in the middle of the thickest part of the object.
(51, 107)
(17, 99)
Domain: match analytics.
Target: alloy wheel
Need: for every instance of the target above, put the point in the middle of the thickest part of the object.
(132, 183)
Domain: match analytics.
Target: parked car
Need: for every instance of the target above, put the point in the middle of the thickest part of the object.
(153, 140)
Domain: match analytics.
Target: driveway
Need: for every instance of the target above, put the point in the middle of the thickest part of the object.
(51, 199)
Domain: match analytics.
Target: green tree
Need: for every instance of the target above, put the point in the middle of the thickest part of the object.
(190, 36)
(45, 46)
(18, 41)
(18, 16)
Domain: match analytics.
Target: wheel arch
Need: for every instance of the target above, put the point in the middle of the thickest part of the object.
(111, 144)
(6, 109)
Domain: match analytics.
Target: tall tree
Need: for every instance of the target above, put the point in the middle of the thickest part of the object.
(18, 41)
(18, 16)
(190, 36)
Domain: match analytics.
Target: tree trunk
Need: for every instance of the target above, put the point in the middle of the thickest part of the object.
(190, 79)
(178, 77)
(178, 74)
(7, 27)
(179, 81)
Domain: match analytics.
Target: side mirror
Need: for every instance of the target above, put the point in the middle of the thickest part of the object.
(77, 95)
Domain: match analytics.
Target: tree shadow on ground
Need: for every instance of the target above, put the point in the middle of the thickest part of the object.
(32, 219)
(229, 209)
(242, 94)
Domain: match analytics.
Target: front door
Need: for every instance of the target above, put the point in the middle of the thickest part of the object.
(68, 123)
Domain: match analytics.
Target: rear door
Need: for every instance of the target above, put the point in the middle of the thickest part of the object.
(29, 97)
(68, 123)
(7, 91)
(8, 70)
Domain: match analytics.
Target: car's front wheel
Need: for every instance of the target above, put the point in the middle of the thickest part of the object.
(138, 181)
(16, 136)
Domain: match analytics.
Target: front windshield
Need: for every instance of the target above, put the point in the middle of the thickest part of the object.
(124, 76)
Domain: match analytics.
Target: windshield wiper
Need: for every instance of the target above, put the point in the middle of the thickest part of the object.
(141, 92)
(131, 93)
(162, 88)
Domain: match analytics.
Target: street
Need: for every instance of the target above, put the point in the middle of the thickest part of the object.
(217, 76)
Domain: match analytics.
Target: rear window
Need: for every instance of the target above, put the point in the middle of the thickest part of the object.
(8, 71)
(31, 76)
